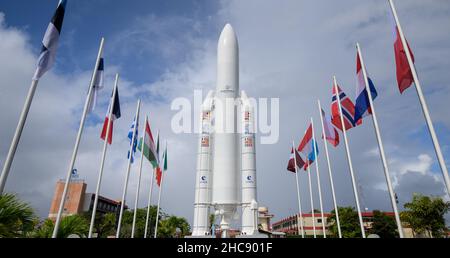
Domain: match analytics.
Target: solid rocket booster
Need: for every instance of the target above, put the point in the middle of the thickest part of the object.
(204, 179)
(226, 156)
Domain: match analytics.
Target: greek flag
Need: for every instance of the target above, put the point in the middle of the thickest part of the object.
(134, 127)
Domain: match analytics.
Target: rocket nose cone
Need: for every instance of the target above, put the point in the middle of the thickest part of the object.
(228, 37)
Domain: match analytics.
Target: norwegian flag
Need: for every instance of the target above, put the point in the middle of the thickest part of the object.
(348, 110)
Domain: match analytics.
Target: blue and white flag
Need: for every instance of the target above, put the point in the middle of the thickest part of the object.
(98, 85)
(50, 41)
(134, 127)
(362, 105)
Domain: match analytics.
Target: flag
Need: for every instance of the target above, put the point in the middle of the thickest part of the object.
(362, 104)
(403, 70)
(149, 146)
(331, 134)
(115, 115)
(158, 170)
(300, 162)
(50, 41)
(306, 146)
(133, 130)
(98, 85)
(348, 110)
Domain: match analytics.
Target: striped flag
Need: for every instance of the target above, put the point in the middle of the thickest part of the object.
(115, 115)
(331, 134)
(149, 147)
(50, 41)
(98, 85)
(164, 168)
(362, 105)
(306, 147)
(133, 130)
(348, 110)
(300, 163)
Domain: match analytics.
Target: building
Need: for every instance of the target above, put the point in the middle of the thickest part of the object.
(289, 226)
(78, 201)
(264, 219)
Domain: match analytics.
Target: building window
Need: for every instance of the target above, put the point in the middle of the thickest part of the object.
(319, 220)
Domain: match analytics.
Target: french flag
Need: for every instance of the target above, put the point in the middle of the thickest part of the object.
(115, 115)
(362, 106)
(347, 108)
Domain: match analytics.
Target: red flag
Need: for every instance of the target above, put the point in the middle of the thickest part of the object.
(347, 108)
(300, 162)
(404, 74)
(158, 175)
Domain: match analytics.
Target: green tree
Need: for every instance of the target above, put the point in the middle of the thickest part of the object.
(141, 216)
(74, 224)
(168, 227)
(425, 215)
(17, 218)
(383, 225)
(104, 224)
(349, 222)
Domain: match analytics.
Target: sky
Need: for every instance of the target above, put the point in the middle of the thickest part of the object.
(164, 50)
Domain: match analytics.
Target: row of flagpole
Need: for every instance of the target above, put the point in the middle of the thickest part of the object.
(45, 62)
(406, 75)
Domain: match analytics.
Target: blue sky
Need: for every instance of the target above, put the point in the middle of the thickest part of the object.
(166, 49)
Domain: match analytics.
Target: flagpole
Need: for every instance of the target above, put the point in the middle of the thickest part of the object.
(311, 197)
(149, 203)
(318, 179)
(159, 195)
(151, 189)
(329, 171)
(139, 182)
(105, 146)
(77, 141)
(301, 229)
(124, 193)
(349, 158)
(423, 103)
(380, 145)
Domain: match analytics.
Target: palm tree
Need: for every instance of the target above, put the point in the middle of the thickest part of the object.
(70, 225)
(16, 218)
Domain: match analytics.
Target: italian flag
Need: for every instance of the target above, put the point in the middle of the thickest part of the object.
(148, 148)
(164, 167)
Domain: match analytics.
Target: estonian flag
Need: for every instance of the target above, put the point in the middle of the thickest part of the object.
(50, 41)
(98, 85)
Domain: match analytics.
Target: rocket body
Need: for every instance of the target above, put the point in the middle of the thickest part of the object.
(228, 162)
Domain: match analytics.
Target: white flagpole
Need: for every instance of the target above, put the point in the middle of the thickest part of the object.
(150, 195)
(318, 179)
(349, 158)
(17, 134)
(423, 103)
(301, 229)
(148, 204)
(139, 182)
(311, 196)
(105, 146)
(125, 186)
(329, 172)
(380, 145)
(77, 141)
(159, 195)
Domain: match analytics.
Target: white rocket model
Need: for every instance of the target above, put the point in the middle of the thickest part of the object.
(226, 157)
